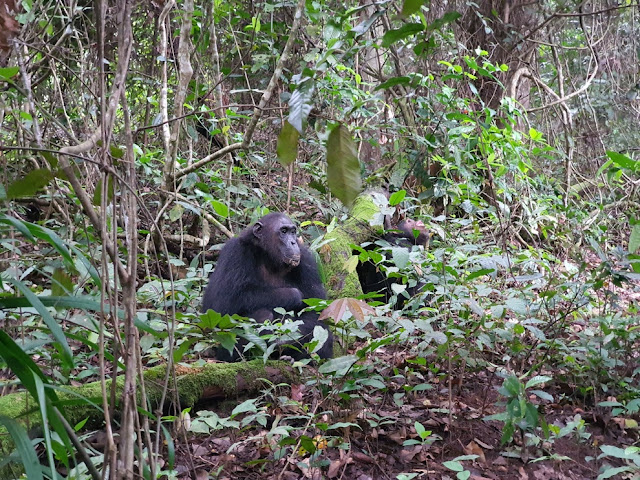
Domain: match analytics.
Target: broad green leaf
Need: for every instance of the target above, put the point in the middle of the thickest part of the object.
(176, 212)
(634, 239)
(300, 104)
(480, 273)
(397, 197)
(24, 447)
(351, 264)
(61, 284)
(116, 152)
(52, 323)
(343, 167)
(448, 17)
(244, 407)
(393, 81)
(537, 380)
(623, 161)
(97, 194)
(338, 366)
(407, 30)
(409, 7)
(287, 148)
(30, 184)
(7, 73)
(179, 352)
(400, 257)
(220, 208)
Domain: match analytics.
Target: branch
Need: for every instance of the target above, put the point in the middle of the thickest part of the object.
(257, 111)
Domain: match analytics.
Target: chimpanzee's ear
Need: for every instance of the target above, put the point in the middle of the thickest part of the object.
(257, 230)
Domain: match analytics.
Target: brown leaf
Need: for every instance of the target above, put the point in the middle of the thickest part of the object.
(473, 448)
(338, 307)
(297, 391)
(399, 436)
(407, 454)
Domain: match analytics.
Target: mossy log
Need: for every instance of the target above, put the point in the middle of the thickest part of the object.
(195, 384)
(364, 223)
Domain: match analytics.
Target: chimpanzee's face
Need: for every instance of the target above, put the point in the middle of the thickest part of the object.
(413, 230)
(277, 235)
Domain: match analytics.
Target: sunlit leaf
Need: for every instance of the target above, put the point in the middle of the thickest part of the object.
(634, 239)
(343, 167)
(6, 73)
(287, 148)
(61, 284)
(397, 197)
(623, 161)
(30, 184)
(409, 7)
(176, 212)
(300, 104)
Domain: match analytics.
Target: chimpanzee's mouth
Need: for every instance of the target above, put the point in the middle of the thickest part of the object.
(294, 261)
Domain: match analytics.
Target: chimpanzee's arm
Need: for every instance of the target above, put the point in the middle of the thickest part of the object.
(307, 277)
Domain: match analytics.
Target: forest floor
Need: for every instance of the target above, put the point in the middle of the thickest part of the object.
(374, 445)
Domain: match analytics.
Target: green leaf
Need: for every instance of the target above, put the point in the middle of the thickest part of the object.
(392, 82)
(300, 104)
(220, 208)
(97, 194)
(54, 327)
(179, 352)
(537, 380)
(116, 152)
(397, 197)
(343, 167)
(448, 17)
(480, 273)
(454, 465)
(338, 366)
(634, 239)
(409, 7)
(176, 212)
(287, 148)
(400, 257)
(32, 182)
(6, 73)
(407, 30)
(51, 238)
(248, 406)
(61, 284)
(623, 161)
(24, 447)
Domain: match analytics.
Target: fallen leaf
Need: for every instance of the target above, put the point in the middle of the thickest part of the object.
(473, 448)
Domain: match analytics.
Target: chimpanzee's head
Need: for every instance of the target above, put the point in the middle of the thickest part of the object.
(275, 233)
(414, 230)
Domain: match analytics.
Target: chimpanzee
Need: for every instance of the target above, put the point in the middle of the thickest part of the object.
(408, 232)
(263, 268)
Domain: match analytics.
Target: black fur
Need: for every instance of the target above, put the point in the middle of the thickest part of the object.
(407, 233)
(264, 268)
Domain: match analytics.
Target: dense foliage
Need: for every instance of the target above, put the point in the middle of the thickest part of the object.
(137, 137)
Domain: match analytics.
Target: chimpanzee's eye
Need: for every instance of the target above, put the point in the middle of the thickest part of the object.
(283, 230)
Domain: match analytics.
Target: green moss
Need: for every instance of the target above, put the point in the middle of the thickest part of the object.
(342, 283)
